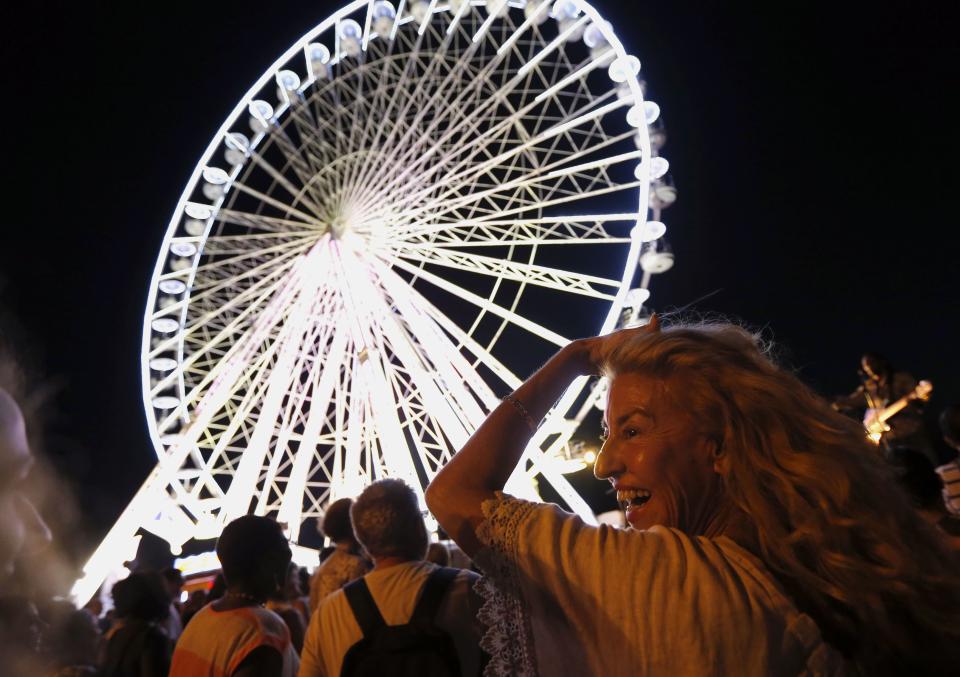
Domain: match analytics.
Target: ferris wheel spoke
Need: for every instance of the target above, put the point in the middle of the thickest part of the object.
(455, 179)
(213, 271)
(543, 276)
(222, 302)
(444, 109)
(483, 303)
(399, 113)
(303, 174)
(478, 111)
(530, 179)
(310, 353)
(292, 505)
(268, 224)
(286, 209)
(400, 289)
(295, 326)
(571, 197)
(245, 346)
(432, 363)
(229, 336)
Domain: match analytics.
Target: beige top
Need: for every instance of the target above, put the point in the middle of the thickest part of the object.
(566, 598)
(341, 567)
(396, 590)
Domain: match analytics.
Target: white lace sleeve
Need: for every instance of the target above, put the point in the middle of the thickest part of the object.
(508, 638)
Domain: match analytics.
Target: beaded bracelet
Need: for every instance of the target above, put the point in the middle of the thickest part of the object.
(522, 410)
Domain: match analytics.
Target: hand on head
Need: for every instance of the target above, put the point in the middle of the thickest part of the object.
(594, 351)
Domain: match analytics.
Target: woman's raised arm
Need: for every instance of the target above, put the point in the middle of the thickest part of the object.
(486, 461)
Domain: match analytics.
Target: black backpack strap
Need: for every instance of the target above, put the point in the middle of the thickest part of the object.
(433, 591)
(364, 608)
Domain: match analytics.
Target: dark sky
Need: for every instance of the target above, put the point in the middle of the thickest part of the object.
(814, 148)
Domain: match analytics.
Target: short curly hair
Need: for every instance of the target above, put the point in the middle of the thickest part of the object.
(388, 522)
(336, 523)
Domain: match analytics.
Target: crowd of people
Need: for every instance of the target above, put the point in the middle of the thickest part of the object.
(767, 535)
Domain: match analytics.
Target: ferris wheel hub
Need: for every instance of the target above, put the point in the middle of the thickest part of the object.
(339, 227)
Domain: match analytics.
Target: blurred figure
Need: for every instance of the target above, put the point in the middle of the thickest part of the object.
(283, 602)
(22, 530)
(438, 554)
(173, 580)
(881, 386)
(235, 635)
(303, 577)
(20, 636)
(344, 564)
(916, 475)
(404, 613)
(74, 641)
(137, 645)
(196, 601)
(950, 472)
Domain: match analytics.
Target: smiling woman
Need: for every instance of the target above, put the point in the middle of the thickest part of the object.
(766, 535)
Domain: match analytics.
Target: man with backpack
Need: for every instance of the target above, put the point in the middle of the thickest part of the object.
(407, 616)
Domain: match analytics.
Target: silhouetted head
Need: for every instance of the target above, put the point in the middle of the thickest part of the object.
(254, 555)
(336, 522)
(388, 522)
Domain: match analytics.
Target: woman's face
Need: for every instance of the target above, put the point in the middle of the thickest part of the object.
(661, 466)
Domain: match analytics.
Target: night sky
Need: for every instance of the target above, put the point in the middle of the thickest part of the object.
(814, 150)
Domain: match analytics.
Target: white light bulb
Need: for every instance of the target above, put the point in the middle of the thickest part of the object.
(637, 297)
(163, 363)
(564, 9)
(261, 113)
(497, 7)
(166, 402)
(623, 67)
(576, 34)
(317, 51)
(418, 10)
(635, 116)
(288, 80)
(236, 141)
(172, 286)
(212, 192)
(383, 15)
(651, 111)
(215, 175)
(194, 227)
(648, 231)
(658, 167)
(350, 30)
(165, 325)
(234, 157)
(593, 36)
(196, 211)
(533, 8)
(183, 249)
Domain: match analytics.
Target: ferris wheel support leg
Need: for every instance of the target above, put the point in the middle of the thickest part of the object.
(121, 542)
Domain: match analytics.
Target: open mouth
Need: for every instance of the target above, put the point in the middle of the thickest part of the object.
(632, 498)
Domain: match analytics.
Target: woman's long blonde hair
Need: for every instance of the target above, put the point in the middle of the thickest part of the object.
(830, 523)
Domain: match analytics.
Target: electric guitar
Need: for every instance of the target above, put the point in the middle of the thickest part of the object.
(875, 420)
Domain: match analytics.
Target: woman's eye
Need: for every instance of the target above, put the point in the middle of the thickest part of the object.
(630, 432)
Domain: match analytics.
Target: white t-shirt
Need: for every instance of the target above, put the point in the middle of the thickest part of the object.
(396, 590)
(566, 598)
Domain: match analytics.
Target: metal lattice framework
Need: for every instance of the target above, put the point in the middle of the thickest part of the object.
(401, 196)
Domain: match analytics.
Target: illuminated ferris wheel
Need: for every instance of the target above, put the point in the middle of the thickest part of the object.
(410, 209)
